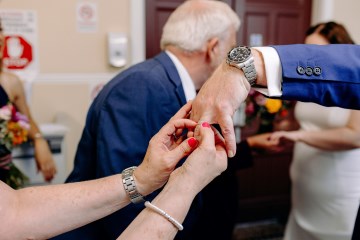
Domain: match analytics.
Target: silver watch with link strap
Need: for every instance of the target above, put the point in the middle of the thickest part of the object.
(130, 186)
(241, 58)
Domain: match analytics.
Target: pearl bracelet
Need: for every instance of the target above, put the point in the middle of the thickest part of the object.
(164, 214)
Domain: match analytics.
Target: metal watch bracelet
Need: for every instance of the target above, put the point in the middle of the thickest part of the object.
(130, 186)
(250, 71)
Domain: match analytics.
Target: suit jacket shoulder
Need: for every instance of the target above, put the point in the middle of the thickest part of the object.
(131, 108)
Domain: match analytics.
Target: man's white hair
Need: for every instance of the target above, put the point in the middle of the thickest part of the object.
(195, 22)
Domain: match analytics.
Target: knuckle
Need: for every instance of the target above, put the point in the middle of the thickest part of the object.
(168, 166)
(226, 131)
(184, 148)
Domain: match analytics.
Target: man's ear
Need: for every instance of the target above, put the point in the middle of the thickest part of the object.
(212, 50)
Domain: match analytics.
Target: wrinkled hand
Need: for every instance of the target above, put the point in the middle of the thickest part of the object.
(44, 160)
(206, 162)
(264, 141)
(219, 98)
(165, 150)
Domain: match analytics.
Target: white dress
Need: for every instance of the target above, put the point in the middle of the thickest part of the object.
(325, 184)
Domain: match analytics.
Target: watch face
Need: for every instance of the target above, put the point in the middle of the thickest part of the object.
(239, 54)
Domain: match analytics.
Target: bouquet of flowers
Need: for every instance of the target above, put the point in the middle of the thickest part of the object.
(14, 128)
(265, 110)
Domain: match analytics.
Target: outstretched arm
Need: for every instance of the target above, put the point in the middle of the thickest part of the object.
(333, 80)
(44, 212)
(335, 139)
(337, 83)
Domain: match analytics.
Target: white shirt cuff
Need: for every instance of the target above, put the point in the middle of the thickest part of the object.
(273, 72)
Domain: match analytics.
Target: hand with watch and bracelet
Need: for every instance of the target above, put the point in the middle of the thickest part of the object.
(171, 205)
(227, 88)
(63, 207)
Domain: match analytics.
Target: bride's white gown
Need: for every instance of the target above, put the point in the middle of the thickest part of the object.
(325, 184)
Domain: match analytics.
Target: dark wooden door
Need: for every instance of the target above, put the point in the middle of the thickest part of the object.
(157, 12)
(263, 22)
(264, 189)
(275, 21)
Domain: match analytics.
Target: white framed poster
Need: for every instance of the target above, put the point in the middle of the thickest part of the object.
(20, 53)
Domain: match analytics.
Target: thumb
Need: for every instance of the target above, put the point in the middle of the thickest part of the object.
(184, 149)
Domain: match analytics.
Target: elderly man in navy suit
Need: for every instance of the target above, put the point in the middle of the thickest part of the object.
(134, 105)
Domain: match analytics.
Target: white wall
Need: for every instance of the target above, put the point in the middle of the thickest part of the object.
(71, 63)
(345, 12)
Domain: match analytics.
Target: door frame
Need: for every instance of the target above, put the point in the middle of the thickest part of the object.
(137, 31)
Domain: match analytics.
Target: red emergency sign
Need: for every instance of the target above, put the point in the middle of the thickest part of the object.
(18, 53)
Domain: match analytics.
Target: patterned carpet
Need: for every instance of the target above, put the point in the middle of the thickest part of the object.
(264, 230)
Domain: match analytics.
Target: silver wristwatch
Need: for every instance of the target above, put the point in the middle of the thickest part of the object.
(130, 186)
(241, 58)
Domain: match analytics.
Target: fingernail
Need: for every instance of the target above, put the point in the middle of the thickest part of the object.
(192, 142)
(230, 154)
(205, 124)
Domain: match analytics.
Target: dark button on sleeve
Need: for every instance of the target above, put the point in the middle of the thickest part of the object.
(317, 71)
(300, 70)
(309, 71)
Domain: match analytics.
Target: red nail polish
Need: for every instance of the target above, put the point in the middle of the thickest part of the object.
(192, 142)
(205, 124)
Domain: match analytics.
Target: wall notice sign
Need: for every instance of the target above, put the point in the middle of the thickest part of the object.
(86, 15)
(17, 52)
(20, 51)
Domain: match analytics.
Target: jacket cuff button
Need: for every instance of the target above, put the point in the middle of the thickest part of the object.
(300, 70)
(317, 71)
(309, 71)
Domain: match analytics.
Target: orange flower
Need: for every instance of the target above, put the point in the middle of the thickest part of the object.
(273, 105)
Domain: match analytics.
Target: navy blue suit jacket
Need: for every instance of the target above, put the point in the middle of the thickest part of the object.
(338, 83)
(129, 110)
